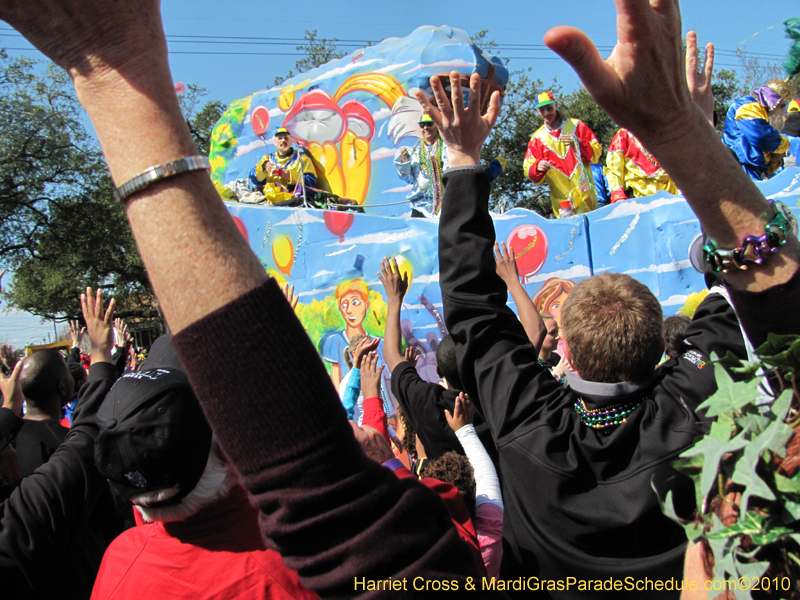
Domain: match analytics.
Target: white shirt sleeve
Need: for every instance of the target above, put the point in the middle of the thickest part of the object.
(487, 485)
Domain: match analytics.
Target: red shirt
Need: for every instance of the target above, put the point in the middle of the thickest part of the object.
(216, 554)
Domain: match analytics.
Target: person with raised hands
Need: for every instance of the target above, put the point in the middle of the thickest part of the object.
(488, 517)
(330, 511)
(584, 465)
(422, 402)
(46, 514)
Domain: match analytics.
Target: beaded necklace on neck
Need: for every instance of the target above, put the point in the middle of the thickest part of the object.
(606, 416)
(433, 171)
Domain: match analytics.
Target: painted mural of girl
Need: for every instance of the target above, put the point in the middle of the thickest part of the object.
(550, 298)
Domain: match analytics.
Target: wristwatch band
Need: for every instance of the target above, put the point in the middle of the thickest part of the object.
(159, 173)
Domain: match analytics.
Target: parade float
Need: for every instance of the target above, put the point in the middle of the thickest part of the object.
(351, 115)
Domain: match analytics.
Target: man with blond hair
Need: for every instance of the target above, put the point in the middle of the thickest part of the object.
(584, 467)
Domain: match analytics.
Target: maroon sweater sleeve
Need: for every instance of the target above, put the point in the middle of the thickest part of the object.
(337, 518)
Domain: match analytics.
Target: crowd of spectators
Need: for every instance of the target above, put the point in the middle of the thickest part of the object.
(174, 479)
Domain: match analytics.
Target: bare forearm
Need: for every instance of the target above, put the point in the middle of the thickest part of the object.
(528, 315)
(725, 200)
(392, 336)
(194, 255)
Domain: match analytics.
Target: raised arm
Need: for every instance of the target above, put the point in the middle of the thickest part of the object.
(528, 315)
(43, 516)
(396, 286)
(273, 409)
(642, 86)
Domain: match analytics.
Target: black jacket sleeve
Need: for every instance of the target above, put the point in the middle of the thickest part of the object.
(496, 361)
(44, 515)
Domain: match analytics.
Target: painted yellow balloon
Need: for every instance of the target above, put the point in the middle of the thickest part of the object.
(283, 254)
(405, 268)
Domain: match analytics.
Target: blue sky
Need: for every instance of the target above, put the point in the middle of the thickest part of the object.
(268, 33)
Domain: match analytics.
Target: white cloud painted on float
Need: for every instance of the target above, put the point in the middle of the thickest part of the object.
(298, 217)
(629, 208)
(571, 273)
(382, 238)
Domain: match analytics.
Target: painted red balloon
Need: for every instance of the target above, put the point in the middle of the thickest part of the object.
(529, 245)
(338, 223)
(242, 228)
(259, 119)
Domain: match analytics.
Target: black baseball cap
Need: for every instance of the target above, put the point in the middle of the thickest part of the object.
(153, 433)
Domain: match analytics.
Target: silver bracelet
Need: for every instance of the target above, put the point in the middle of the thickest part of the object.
(158, 173)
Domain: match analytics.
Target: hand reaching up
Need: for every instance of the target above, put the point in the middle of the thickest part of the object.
(8, 357)
(642, 85)
(700, 82)
(371, 376)
(411, 355)
(463, 413)
(12, 390)
(364, 347)
(463, 129)
(99, 324)
(76, 332)
(288, 291)
(506, 264)
(396, 285)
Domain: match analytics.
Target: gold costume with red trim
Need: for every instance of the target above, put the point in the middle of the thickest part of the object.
(630, 165)
(570, 175)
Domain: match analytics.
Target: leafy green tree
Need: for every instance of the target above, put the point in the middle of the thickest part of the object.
(317, 51)
(517, 121)
(200, 119)
(60, 226)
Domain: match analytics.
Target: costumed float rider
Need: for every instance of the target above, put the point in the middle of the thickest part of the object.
(750, 130)
(562, 151)
(791, 128)
(422, 167)
(632, 171)
(278, 173)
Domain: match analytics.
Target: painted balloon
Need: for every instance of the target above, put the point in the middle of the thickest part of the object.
(529, 245)
(405, 268)
(259, 119)
(338, 223)
(283, 254)
(242, 228)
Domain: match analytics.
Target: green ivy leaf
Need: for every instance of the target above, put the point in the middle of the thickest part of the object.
(713, 449)
(730, 396)
(776, 343)
(750, 524)
(791, 511)
(787, 485)
(782, 351)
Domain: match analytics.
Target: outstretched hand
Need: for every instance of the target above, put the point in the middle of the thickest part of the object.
(75, 332)
(463, 129)
(396, 285)
(99, 324)
(373, 443)
(463, 413)
(411, 355)
(8, 357)
(371, 375)
(506, 264)
(642, 85)
(12, 390)
(288, 291)
(700, 82)
(91, 35)
(364, 347)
